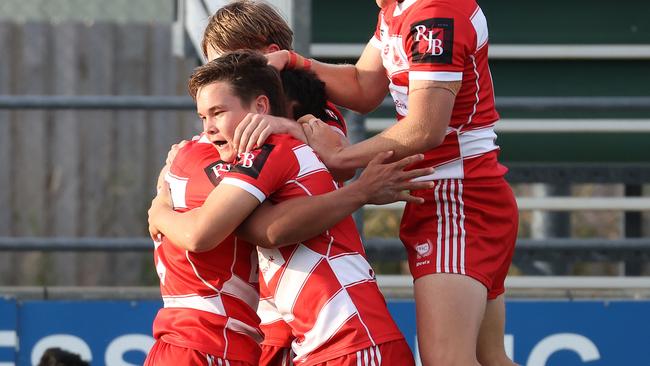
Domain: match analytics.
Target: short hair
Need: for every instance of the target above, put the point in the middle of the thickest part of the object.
(249, 76)
(307, 91)
(251, 24)
(59, 357)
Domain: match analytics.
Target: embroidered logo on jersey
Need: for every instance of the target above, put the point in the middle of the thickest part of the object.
(393, 56)
(216, 170)
(251, 163)
(332, 115)
(424, 249)
(433, 41)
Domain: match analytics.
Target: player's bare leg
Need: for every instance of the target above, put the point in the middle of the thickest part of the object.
(490, 349)
(449, 311)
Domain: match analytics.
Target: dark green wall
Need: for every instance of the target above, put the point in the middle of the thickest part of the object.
(541, 22)
(510, 21)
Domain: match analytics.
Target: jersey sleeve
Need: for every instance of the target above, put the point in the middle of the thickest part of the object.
(438, 40)
(263, 171)
(375, 41)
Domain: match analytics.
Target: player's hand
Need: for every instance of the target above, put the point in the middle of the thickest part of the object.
(162, 201)
(161, 177)
(254, 129)
(320, 136)
(173, 151)
(155, 234)
(278, 59)
(389, 182)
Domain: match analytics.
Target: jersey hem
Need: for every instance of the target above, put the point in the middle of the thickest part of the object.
(217, 352)
(330, 355)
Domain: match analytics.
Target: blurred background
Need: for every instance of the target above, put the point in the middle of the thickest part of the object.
(93, 93)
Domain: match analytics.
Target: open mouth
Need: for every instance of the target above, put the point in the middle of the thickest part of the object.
(220, 143)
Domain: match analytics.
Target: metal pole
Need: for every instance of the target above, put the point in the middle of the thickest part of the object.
(633, 267)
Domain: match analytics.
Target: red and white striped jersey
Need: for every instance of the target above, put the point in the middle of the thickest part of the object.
(276, 331)
(210, 298)
(444, 40)
(323, 288)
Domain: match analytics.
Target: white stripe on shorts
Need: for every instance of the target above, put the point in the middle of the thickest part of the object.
(438, 240)
(461, 209)
(454, 219)
(450, 212)
(445, 187)
(378, 353)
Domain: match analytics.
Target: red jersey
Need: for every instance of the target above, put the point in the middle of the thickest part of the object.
(276, 332)
(444, 40)
(210, 298)
(323, 288)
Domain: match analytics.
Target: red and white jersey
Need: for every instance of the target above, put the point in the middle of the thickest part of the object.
(323, 288)
(210, 298)
(444, 40)
(276, 332)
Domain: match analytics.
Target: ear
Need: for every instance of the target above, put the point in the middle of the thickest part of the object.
(272, 48)
(262, 105)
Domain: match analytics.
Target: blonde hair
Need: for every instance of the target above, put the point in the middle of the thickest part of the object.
(246, 24)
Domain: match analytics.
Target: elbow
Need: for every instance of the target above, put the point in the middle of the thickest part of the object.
(433, 140)
(364, 109)
(365, 106)
(276, 238)
(197, 244)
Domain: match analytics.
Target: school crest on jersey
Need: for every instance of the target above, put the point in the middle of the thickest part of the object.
(216, 170)
(433, 41)
(393, 56)
(252, 163)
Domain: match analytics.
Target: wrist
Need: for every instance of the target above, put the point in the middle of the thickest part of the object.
(296, 61)
(357, 193)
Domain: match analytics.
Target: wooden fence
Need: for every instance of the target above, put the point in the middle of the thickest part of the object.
(84, 173)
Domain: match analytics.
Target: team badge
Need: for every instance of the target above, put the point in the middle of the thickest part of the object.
(216, 170)
(433, 41)
(424, 249)
(252, 163)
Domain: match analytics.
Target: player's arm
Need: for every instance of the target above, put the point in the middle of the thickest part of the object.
(430, 107)
(254, 129)
(303, 218)
(360, 87)
(339, 140)
(202, 229)
(342, 174)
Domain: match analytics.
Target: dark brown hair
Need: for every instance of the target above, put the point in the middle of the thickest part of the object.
(249, 76)
(246, 24)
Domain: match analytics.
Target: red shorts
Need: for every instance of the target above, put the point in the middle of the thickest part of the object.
(386, 354)
(276, 356)
(467, 227)
(165, 354)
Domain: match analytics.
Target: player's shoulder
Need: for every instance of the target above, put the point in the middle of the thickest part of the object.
(276, 154)
(195, 152)
(283, 142)
(449, 8)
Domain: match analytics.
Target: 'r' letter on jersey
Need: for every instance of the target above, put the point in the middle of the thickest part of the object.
(433, 41)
